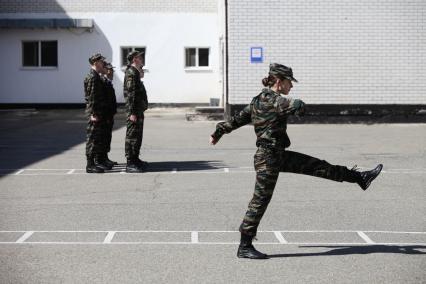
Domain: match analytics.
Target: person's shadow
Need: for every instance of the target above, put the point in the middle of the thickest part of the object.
(345, 250)
(177, 166)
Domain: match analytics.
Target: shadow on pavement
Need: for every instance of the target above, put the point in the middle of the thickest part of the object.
(29, 136)
(347, 250)
(169, 166)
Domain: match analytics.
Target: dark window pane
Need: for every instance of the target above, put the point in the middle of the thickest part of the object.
(124, 52)
(190, 57)
(30, 53)
(49, 53)
(203, 57)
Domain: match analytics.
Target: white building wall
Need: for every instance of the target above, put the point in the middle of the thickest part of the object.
(165, 35)
(341, 51)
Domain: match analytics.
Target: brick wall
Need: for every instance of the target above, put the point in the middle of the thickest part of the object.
(341, 51)
(137, 6)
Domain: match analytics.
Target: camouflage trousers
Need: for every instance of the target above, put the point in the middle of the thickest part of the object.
(108, 134)
(268, 164)
(96, 138)
(134, 135)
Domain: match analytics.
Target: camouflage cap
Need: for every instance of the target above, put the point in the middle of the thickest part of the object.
(281, 71)
(133, 54)
(96, 57)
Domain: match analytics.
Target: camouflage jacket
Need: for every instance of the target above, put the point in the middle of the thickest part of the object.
(268, 112)
(134, 92)
(110, 97)
(96, 102)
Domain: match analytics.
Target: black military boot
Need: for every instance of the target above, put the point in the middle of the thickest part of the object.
(133, 166)
(92, 168)
(107, 161)
(364, 179)
(247, 250)
(100, 163)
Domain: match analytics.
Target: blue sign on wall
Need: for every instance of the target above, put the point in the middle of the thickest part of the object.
(256, 54)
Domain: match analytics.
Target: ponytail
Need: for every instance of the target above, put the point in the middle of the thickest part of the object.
(269, 81)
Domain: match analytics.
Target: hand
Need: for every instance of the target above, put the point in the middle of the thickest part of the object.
(94, 118)
(299, 107)
(133, 118)
(213, 141)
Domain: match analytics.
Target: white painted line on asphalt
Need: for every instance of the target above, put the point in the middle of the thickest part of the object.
(194, 237)
(109, 237)
(24, 237)
(280, 238)
(210, 243)
(163, 171)
(219, 231)
(70, 172)
(365, 237)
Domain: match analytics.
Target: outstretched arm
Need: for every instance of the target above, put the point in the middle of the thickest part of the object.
(238, 120)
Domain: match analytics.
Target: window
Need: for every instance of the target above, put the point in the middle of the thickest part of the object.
(126, 50)
(197, 57)
(40, 53)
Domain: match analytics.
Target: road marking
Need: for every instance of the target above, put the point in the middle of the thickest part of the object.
(219, 231)
(24, 237)
(365, 237)
(280, 238)
(194, 237)
(165, 171)
(212, 243)
(109, 237)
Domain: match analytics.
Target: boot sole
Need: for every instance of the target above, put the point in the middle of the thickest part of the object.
(94, 172)
(245, 256)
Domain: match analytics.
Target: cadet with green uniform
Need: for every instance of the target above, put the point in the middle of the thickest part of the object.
(111, 110)
(136, 104)
(96, 109)
(268, 113)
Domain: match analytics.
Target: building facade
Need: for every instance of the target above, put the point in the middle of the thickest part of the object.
(342, 52)
(45, 46)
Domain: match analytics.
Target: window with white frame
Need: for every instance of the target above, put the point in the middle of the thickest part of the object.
(197, 57)
(40, 53)
(125, 50)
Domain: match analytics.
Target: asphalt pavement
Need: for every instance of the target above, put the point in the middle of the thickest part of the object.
(178, 222)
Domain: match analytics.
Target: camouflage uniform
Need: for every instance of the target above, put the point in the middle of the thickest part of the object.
(136, 104)
(268, 112)
(111, 110)
(96, 105)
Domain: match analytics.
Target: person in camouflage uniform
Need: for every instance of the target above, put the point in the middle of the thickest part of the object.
(136, 104)
(111, 110)
(96, 109)
(268, 113)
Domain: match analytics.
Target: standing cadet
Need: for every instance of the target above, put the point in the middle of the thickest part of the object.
(268, 112)
(111, 109)
(96, 108)
(136, 104)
